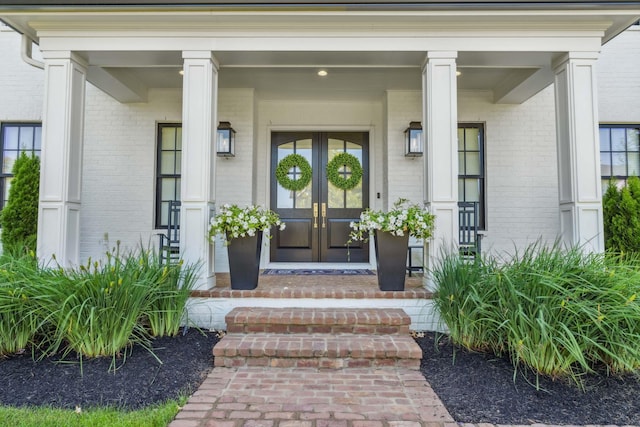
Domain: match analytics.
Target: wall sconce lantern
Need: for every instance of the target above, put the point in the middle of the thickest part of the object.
(226, 140)
(413, 140)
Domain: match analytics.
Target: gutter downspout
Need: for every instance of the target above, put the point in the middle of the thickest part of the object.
(26, 53)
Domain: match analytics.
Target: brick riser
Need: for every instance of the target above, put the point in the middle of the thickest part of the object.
(319, 329)
(317, 350)
(309, 321)
(317, 338)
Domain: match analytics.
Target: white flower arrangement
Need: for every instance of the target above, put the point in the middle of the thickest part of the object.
(403, 219)
(233, 221)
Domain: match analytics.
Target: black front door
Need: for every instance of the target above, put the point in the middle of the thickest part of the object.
(318, 216)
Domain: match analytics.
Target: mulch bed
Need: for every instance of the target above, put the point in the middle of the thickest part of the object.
(478, 388)
(141, 381)
(474, 387)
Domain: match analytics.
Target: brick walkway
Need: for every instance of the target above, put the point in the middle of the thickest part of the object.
(267, 397)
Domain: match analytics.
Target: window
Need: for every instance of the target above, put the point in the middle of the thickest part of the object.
(167, 170)
(471, 166)
(619, 153)
(16, 138)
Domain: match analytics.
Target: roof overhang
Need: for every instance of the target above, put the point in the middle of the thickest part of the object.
(128, 43)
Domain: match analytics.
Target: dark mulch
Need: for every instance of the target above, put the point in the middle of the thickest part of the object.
(140, 381)
(474, 387)
(479, 388)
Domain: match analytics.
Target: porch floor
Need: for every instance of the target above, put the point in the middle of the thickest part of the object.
(315, 286)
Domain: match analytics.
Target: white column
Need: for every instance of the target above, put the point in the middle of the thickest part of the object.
(199, 118)
(61, 161)
(440, 123)
(578, 144)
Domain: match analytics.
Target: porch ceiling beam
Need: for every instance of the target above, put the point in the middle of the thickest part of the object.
(518, 88)
(477, 43)
(118, 84)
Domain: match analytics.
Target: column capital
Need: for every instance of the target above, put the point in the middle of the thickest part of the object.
(51, 55)
(442, 54)
(439, 57)
(574, 56)
(201, 54)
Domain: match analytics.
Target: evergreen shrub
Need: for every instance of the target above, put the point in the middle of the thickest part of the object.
(19, 218)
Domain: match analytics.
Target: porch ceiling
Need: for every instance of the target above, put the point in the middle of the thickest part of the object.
(506, 50)
(351, 75)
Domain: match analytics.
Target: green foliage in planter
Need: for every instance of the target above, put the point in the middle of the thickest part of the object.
(561, 313)
(621, 208)
(19, 218)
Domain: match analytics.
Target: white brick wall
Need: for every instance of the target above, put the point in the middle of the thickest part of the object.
(619, 79)
(521, 168)
(118, 185)
(405, 181)
(21, 85)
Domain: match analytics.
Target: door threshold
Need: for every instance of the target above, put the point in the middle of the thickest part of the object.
(321, 265)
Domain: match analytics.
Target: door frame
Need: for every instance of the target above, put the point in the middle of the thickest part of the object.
(374, 183)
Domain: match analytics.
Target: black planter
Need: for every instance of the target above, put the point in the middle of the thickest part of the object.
(244, 261)
(391, 257)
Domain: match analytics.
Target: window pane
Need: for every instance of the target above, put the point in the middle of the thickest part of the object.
(472, 190)
(26, 138)
(618, 139)
(179, 138)
(461, 168)
(303, 198)
(461, 190)
(605, 164)
(168, 189)
(354, 196)
(7, 186)
(178, 162)
(164, 213)
(168, 138)
(284, 150)
(632, 140)
(37, 143)
(619, 161)
(471, 139)
(460, 139)
(473, 163)
(167, 163)
(8, 160)
(634, 164)
(285, 198)
(178, 189)
(11, 137)
(605, 140)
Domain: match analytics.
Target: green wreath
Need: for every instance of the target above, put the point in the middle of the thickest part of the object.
(285, 165)
(336, 178)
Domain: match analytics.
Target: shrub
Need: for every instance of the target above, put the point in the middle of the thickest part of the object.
(19, 218)
(19, 317)
(562, 313)
(98, 309)
(621, 211)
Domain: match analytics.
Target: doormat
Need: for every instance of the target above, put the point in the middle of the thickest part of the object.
(319, 272)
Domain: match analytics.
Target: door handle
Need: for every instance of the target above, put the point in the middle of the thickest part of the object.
(324, 215)
(315, 215)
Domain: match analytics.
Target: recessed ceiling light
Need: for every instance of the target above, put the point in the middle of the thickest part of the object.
(322, 73)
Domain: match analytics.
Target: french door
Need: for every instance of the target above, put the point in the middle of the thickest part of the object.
(317, 217)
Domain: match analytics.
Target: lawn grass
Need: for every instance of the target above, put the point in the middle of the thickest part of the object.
(153, 416)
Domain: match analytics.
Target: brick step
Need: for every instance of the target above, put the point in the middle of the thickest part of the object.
(318, 320)
(317, 350)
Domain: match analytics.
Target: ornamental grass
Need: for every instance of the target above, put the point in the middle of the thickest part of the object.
(561, 313)
(98, 309)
